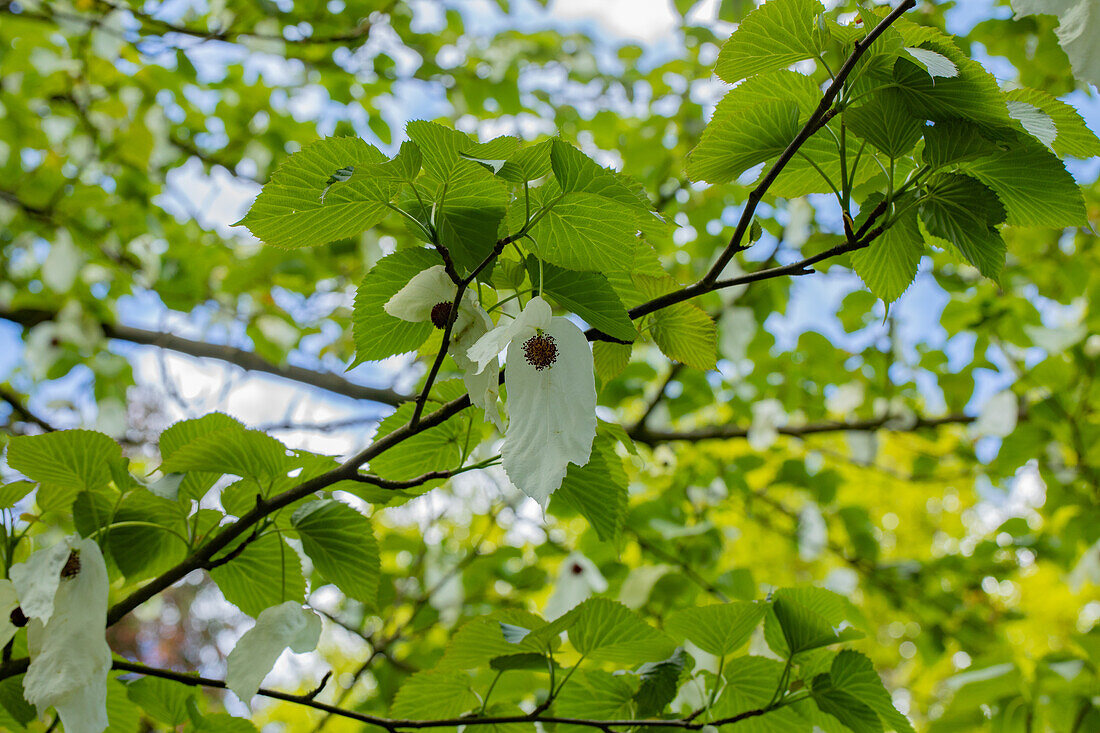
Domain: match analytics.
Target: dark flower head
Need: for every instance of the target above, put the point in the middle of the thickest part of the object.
(72, 565)
(541, 351)
(440, 313)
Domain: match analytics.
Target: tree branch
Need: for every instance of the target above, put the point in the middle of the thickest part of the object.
(247, 360)
(817, 120)
(349, 469)
(642, 434)
(346, 471)
(20, 408)
(394, 724)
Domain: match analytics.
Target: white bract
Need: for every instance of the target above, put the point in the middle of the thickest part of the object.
(69, 653)
(36, 580)
(998, 416)
(767, 417)
(415, 303)
(813, 532)
(1077, 31)
(9, 601)
(551, 396)
(286, 625)
(578, 579)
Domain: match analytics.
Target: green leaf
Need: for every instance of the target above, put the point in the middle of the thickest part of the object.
(404, 167)
(888, 265)
(481, 639)
(660, 681)
(806, 618)
(1032, 183)
(195, 484)
(440, 146)
(719, 629)
(507, 710)
(470, 201)
(231, 449)
(162, 700)
(594, 694)
(377, 334)
(774, 36)
(683, 331)
(93, 510)
(588, 294)
(266, 573)
(953, 141)
(576, 172)
(855, 715)
(854, 673)
(341, 544)
(751, 683)
(736, 139)
(527, 164)
(223, 723)
(972, 95)
(11, 494)
(964, 212)
(610, 359)
(603, 630)
(434, 694)
(435, 449)
(141, 550)
(17, 709)
(598, 490)
(584, 231)
(76, 460)
(1073, 137)
(289, 211)
(469, 208)
(499, 148)
(527, 660)
(122, 715)
(884, 123)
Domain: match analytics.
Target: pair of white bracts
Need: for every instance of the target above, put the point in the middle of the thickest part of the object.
(551, 407)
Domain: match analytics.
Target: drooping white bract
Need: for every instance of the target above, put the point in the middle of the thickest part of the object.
(578, 579)
(1078, 26)
(551, 404)
(415, 303)
(9, 601)
(69, 654)
(36, 580)
(278, 627)
(767, 417)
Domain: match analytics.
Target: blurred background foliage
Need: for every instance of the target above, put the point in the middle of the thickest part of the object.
(959, 509)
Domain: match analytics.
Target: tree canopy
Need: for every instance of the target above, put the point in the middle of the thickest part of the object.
(372, 365)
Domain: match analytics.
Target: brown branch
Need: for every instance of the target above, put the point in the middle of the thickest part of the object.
(247, 360)
(817, 120)
(20, 408)
(802, 267)
(461, 285)
(345, 471)
(648, 436)
(349, 469)
(452, 316)
(355, 35)
(394, 724)
(383, 483)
